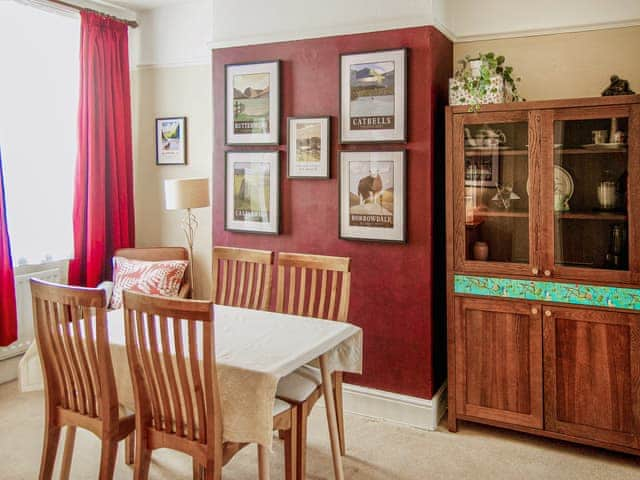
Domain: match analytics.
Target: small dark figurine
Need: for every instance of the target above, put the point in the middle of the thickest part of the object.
(618, 86)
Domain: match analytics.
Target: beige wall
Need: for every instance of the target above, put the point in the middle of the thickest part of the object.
(567, 65)
(164, 92)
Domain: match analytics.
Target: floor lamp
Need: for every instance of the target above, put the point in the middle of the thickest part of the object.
(187, 194)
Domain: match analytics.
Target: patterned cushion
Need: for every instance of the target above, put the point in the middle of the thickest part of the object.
(153, 278)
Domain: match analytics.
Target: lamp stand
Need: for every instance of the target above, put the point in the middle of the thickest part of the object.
(189, 226)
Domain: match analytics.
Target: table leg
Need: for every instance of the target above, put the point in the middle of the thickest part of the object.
(327, 391)
(264, 458)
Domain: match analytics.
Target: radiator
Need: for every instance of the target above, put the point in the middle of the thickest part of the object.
(25, 314)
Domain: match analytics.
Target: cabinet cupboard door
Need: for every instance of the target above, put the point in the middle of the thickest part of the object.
(495, 181)
(590, 194)
(499, 360)
(592, 374)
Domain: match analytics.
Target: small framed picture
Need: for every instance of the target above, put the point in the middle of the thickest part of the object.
(481, 170)
(252, 195)
(252, 103)
(373, 97)
(171, 141)
(373, 196)
(308, 151)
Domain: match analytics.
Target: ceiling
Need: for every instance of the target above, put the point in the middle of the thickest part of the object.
(143, 4)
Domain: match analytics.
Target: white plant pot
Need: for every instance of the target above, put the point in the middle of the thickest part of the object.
(459, 96)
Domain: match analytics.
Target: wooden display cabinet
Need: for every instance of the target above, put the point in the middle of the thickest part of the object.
(548, 220)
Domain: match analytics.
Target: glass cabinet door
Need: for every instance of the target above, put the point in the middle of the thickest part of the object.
(590, 193)
(493, 167)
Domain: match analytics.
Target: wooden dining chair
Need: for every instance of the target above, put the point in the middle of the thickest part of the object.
(70, 326)
(171, 351)
(314, 286)
(242, 277)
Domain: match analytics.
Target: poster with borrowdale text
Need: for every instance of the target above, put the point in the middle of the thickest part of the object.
(372, 196)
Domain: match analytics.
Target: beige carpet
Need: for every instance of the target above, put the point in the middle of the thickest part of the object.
(376, 451)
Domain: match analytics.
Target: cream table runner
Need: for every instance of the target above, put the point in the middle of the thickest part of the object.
(254, 349)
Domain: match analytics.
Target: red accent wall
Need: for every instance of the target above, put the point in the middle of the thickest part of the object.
(391, 294)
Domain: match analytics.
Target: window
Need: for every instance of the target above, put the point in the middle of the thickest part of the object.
(38, 135)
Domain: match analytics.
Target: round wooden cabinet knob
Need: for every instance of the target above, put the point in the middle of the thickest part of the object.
(547, 313)
(534, 311)
(534, 270)
(547, 273)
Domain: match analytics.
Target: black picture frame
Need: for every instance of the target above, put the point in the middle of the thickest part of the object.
(325, 139)
(403, 85)
(275, 121)
(402, 196)
(274, 179)
(182, 153)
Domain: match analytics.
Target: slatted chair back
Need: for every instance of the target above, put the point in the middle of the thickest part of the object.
(313, 285)
(171, 351)
(242, 277)
(71, 331)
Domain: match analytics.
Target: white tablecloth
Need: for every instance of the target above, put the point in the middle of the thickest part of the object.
(254, 349)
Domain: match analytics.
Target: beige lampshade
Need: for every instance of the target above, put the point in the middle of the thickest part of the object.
(183, 193)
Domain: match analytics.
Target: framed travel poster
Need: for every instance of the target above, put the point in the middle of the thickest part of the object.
(308, 151)
(373, 98)
(252, 103)
(373, 196)
(171, 141)
(252, 196)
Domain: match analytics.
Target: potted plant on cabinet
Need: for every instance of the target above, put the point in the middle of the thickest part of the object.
(482, 80)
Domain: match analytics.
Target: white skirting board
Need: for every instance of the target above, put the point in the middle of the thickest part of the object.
(396, 408)
(9, 369)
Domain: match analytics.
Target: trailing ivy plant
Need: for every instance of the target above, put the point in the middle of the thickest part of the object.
(480, 85)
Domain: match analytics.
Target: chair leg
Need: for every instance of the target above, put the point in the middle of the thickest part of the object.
(301, 447)
(213, 471)
(129, 449)
(290, 441)
(142, 458)
(108, 459)
(337, 394)
(197, 470)
(67, 455)
(49, 451)
(263, 463)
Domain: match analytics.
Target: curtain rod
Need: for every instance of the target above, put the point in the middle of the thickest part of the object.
(131, 23)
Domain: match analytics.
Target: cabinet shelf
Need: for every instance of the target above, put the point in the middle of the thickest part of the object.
(605, 216)
(503, 213)
(588, 151)
(489, 152)
(512, 152)
(586, 215)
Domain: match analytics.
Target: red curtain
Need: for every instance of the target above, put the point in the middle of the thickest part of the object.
(103, 218)
(8, 318)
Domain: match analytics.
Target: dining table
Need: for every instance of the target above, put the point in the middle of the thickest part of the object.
(254, 350)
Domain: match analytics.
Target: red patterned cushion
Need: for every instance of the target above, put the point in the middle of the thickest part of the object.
(153, 278)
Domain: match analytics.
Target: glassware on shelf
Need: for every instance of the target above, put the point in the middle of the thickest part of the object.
(616, 257)
(504, 196)
(607, 191)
